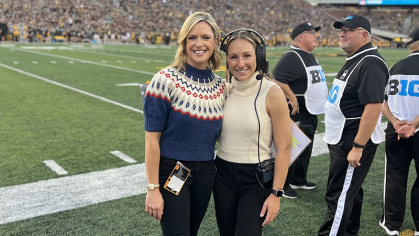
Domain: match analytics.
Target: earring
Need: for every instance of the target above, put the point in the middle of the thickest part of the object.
(228, 76)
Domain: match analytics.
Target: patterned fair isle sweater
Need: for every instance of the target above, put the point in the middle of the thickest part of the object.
(187, 107)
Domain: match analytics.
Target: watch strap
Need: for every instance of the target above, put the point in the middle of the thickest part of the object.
(357, 145)
(151, 187)
(277, 193)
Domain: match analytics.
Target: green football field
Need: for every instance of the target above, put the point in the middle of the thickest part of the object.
(73, 105)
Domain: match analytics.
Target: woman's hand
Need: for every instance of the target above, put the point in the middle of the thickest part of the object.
(154, 204)
(271, 208)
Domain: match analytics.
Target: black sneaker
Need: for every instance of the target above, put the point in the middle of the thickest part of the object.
(306, 186)
(290, 193)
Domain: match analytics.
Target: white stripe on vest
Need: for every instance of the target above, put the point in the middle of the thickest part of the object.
(403, 96)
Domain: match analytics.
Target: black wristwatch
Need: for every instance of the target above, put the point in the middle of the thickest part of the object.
(357, 145)
(277, 193)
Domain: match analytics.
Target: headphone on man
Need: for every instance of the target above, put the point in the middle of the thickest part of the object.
(261, 62)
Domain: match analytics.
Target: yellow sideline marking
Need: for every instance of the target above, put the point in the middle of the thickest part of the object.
(222, 68)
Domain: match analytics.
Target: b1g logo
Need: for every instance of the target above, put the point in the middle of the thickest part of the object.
(333, 94)
(406, 89)
(317, 76)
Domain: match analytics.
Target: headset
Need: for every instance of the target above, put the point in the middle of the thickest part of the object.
(261, 62)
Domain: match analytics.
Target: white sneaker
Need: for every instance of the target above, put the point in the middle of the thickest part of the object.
(307, 186)
(416, 233)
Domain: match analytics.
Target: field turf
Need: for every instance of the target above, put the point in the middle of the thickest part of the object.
(74, 104)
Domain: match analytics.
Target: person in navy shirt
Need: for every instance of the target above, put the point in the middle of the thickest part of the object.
(183, 112)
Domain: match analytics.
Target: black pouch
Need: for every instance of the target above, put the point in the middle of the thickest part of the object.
(265, 170)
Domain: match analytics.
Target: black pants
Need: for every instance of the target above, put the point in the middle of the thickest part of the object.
(183, 214)
(297, 172)
(239, 199)
(399, 155)
(344, 192)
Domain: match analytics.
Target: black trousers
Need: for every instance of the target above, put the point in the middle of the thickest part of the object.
(239, 199)
(399, 155)
(344, 192)
(297, 172)
(183, 214)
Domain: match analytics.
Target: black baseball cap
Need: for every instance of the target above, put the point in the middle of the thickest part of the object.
(354, 21)
(414, 36)
(303, 27)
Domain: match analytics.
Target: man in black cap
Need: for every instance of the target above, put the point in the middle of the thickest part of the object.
(353, 118)
(402, 139)
(302, 79)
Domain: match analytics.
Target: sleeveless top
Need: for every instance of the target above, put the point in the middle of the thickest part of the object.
(239, 131)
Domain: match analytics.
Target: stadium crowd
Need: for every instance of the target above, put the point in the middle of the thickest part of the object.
(157, 21)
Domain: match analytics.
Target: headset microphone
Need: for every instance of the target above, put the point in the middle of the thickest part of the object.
(259, 77)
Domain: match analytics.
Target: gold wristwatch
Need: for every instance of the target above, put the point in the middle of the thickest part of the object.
(151, 187)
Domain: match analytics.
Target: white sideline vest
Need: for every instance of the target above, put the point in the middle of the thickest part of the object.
(403, 96)
(316, 93)
(334, 118)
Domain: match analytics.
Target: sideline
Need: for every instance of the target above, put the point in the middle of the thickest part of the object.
(30, 200)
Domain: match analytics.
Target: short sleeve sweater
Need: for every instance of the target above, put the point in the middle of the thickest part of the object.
(187, 107)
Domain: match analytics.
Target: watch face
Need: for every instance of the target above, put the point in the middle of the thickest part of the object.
(277, 193)
(280, 193)
(152, 186)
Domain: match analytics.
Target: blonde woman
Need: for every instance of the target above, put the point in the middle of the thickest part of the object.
(183, 112)
(255, 113)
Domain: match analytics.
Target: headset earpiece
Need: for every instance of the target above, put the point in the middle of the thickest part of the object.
(261, 62)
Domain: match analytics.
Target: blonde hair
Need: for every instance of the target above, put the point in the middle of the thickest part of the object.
(181, 57)
(251, 38)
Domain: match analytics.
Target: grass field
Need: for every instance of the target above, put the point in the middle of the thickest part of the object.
(61, 102)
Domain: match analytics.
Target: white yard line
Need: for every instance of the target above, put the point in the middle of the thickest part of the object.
(30, 200)
(89, 62)
(123, 156)
(72, 88)
(55, 167)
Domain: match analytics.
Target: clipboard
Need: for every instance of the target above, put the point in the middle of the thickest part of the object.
(299, 142)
